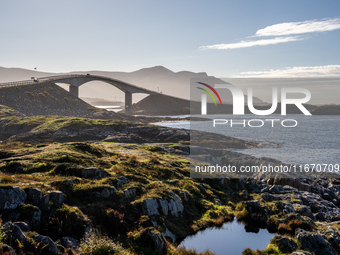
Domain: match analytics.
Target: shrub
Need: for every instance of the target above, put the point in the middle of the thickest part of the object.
(97, 245)
(6, 179)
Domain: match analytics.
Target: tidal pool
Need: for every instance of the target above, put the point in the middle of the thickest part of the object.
(230, 239)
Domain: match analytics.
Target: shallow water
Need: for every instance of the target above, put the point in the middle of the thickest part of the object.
(230, 239)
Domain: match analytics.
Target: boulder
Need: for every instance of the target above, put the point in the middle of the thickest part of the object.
(57, 197)
(285, 244)
(121, 180)
(274, 189)
(34, 195)
(46, 243)
(314, 243)
(303, 210)
(11, 198)
(22, 225)
(253, 204)
(128, 193)
(15, 230)
(94, 173)
(105, 193)
(69, 242)
(152, 238)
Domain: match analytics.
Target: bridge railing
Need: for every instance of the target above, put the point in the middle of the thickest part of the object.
(59, 77)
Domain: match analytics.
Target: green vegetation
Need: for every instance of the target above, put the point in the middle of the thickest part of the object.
(150, 172)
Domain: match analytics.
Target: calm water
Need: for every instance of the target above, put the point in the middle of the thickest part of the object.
(315, 140)
(230, 239)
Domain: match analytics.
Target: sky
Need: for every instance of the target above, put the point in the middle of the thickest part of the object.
(244, 38)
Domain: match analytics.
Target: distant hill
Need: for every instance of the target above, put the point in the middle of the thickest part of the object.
(156, 78)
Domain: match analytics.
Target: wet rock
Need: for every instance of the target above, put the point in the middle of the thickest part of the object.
(46, 243)
(11, 198)
(34, 195)
(314, 243)
(57, 197)
(94, 173)
(22, 225)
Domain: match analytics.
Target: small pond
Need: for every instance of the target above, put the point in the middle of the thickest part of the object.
(230, 239)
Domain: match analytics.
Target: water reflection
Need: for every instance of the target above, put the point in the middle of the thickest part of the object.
(230, 239)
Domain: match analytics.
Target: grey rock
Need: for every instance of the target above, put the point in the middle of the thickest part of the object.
(286, 244)
(105, 193)
(121, 180)
(150, 206)
(57, 197)
(22, 225)
(168, 233)
(289, 188)
(269, 197)
(314, 243)
(36, 220)
(45, 202)
(34, 195)
(11, 198)
(158, 240)
(274, 189)
(129, 193)
(94, 172)
(303, 210)
(13, 216)
(47, 243)
(176, 207)
(16, 231)
(253, 203)
(69, 242)
(201, 188)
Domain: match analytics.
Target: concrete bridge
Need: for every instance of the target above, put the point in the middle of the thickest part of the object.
(76, 80)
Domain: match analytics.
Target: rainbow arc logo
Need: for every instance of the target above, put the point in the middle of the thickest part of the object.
(209, 93)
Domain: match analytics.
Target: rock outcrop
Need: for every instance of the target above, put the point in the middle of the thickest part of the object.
(11, 198)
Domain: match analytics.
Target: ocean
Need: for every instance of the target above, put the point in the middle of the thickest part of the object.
(314, 140)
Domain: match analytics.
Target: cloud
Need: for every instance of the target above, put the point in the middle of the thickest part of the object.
(246, 44)
(294, 28)
(280, 33)
(294, 72)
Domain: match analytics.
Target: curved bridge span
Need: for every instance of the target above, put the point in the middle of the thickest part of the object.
(76, 80)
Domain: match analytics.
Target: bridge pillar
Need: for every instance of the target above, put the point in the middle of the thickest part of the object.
(128, 102)
(74, 90)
